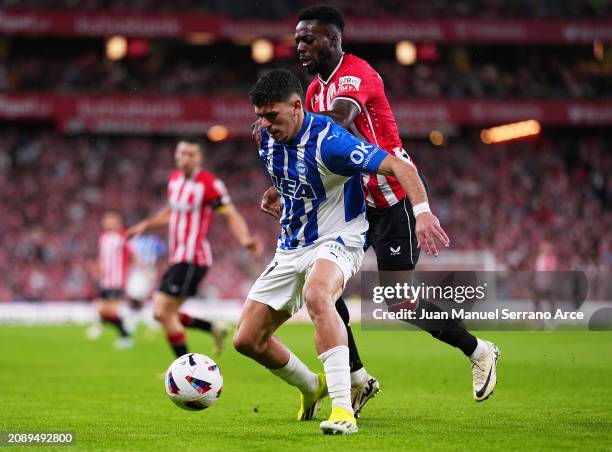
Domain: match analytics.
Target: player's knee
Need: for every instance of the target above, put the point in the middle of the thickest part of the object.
(161, 313)
(243, 343)
(318, 299)
(249, 343)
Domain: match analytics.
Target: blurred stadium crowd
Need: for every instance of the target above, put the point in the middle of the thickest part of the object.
(508, 199)
(533, 74)
(282, 8)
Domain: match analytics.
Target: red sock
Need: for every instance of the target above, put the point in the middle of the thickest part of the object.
(177, 342)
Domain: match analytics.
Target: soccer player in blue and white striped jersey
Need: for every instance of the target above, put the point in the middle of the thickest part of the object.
(316, 167)
(146, 250)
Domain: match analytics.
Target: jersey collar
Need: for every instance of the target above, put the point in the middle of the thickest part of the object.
(305, 126)
(325, 82)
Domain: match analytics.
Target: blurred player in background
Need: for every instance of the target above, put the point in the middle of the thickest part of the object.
(113, 261)
(317, 167)
(544, 277)
(145, 251)
(193, 195)
(347, 89)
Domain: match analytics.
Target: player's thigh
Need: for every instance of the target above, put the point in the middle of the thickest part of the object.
(333, 264)
(164, 304)
(325, 280)
(107, 307)
(394, 237)
(258, 322)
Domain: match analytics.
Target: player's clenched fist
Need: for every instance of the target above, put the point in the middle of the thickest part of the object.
(427, 228)
(270, 202)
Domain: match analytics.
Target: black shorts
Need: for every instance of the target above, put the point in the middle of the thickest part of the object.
(110, 294)
(392, 235)
(182, 280)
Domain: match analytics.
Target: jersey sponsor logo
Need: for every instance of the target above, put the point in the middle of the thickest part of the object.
(294, 188)
(301, 168)
(348, 84)
(361, 155)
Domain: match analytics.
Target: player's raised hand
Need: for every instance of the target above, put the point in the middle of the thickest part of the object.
(427, 229)
(256, 132)
(270, 202)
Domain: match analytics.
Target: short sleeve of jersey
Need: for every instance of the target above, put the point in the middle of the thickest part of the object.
(344, 154)
(215, 193)
(359, 82)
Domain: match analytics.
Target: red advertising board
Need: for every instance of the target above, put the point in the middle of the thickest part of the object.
(167, 114)
(164, 25)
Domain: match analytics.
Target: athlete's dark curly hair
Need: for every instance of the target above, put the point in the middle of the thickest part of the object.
(323, 13)
(275, 86)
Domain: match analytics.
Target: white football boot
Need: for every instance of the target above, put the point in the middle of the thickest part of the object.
(484, 372)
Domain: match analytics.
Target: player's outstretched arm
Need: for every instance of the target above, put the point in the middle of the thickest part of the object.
(427, 225)
(239, 228)
(159, 219)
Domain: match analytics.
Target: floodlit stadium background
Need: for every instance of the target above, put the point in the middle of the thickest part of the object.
(506, 108)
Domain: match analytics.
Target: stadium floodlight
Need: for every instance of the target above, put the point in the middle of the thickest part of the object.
(116, 47)
(599, 50)
(262, 51)
(406, 53)
(217, 133)
(200, 38)
(437, 138)
(511, 131)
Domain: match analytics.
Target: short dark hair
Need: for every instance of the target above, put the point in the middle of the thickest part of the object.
(193, 141)
(275, 86)
(323, 13)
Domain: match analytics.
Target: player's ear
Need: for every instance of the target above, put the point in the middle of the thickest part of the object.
(334, 40)
(297, 106)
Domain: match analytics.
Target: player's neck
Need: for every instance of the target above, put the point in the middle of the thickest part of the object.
(191, 173)
(332, 64)
(298, 126)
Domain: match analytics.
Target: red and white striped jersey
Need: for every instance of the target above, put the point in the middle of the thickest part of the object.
(192, 200)
(546, 262)
(356, 81)
(113, 258)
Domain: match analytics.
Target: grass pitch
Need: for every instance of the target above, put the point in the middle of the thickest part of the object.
(554, 392)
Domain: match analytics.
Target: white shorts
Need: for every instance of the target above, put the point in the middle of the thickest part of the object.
(280, 285)
(140, 283)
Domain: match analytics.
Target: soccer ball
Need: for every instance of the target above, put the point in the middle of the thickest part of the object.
(194, 382)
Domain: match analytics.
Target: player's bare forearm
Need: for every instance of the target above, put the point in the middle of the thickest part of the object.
(407, 176)
(159, 219)
(239, 228)
(427, 225)
(343, 112)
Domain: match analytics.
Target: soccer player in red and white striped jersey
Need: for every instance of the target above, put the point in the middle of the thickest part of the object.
(113, 259)
(544, 278)
(193, 195)
(347, 89)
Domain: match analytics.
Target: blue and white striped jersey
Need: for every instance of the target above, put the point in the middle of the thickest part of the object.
(318, 177)
(147, 248)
